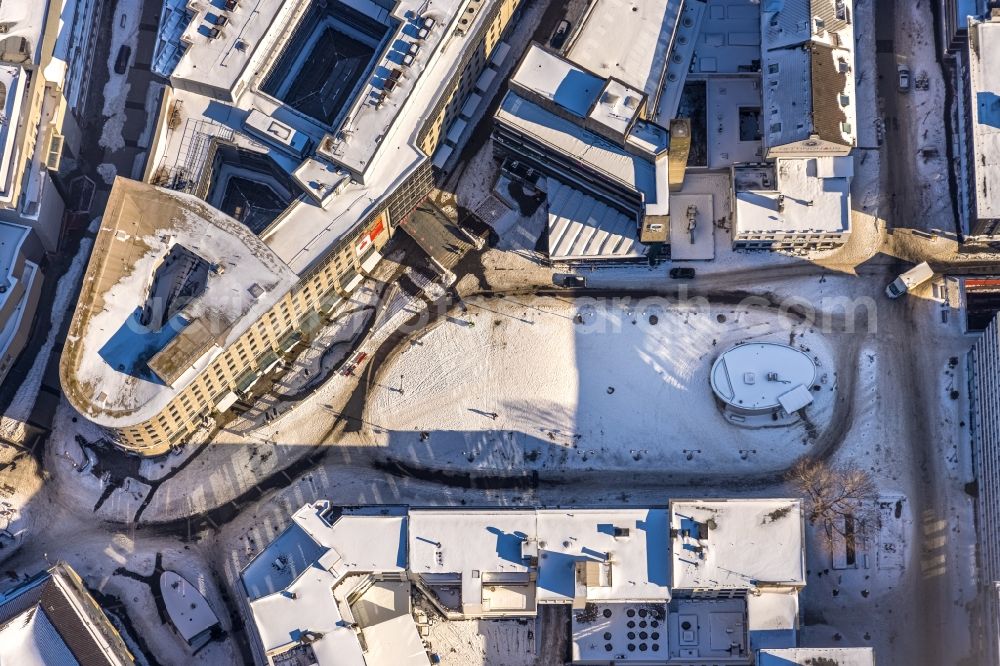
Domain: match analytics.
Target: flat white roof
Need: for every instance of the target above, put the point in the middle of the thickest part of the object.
(984, 74)
(470, 543)
(308, 606)
(187, 607)
(749, 543)
(756, 375)
(729, 39)
(584, 94)
(737, 544)
(845, 656)
(774, 614)
(27, 19)
(361, 540)
(12, 237)
(556, 79)
(627, 40)
(639, 559)
(799, 202)
(357, 542)
(728, 144)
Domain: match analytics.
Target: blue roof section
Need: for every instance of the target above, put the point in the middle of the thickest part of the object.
(278, 565)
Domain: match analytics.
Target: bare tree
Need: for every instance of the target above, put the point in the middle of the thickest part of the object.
(840, 499)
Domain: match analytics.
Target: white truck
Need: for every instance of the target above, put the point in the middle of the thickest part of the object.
(914, 277)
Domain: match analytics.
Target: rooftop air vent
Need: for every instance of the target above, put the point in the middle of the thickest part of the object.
(232, 5)
(468, 16)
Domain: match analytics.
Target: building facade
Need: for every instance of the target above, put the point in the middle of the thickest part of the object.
(33, 71)
(984, 389)
(20, 286)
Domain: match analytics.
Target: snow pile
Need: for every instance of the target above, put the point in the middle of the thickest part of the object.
(108, 172)
(125, 32)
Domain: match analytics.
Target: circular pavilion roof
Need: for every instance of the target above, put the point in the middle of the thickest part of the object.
(754, 376)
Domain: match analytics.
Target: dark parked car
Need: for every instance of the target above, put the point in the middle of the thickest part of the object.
(570, 281)
(682, 273)
(560, 35)
(121, 62)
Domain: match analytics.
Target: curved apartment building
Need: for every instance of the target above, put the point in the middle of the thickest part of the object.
(262, 210)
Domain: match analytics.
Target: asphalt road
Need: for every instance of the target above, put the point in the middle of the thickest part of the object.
(915, 364)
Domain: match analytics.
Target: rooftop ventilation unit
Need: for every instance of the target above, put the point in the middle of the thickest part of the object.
(232, 5)
(214, 33)
(466, 18)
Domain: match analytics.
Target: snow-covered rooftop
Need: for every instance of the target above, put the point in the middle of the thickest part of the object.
(628, 40)
(322, 558)
(737, 544)
(471, 543)
(807, 65)
(27, 20)
(583, 227)
(845, 656)
(609, 104)
(984, 75)
(52, 619)
(635, 543)
(187, 608)
(121, 365)
(504, 560)
(12, 237)
(797, 195)
(756, 375)
(222, 39)
(554, 78)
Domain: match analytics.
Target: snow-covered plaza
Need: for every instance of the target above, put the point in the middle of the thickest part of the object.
(550, 382)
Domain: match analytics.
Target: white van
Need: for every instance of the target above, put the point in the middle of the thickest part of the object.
(907, 281)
